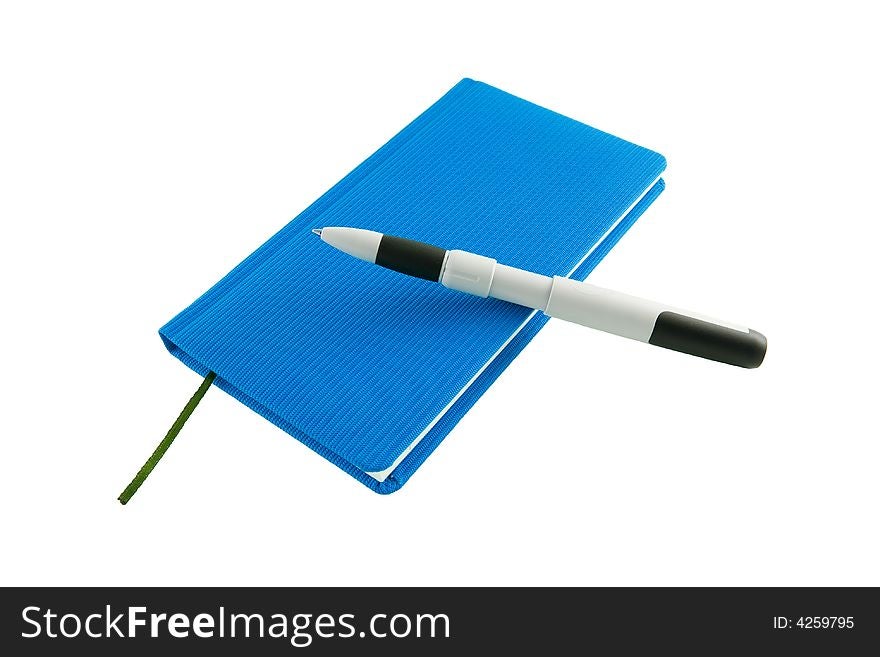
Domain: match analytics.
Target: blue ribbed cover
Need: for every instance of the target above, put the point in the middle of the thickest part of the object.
(355, 360)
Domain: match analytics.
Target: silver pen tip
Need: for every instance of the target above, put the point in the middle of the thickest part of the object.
(317, 231)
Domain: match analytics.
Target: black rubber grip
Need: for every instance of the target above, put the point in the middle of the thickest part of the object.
(707, 340)
(411, 257)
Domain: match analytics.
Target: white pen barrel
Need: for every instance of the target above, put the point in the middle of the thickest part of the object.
(484, 277)
(654, 323)
(522, 287)
(605, 310)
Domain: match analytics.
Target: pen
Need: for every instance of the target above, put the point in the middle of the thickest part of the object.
(564, 298)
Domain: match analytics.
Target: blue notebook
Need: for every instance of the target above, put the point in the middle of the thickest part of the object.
(480, 170)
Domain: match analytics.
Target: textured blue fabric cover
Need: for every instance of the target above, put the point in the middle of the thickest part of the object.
(355, 360)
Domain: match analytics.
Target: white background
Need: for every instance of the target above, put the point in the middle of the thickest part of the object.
(145, 150)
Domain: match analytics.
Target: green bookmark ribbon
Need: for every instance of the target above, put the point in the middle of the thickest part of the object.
(147, 468)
